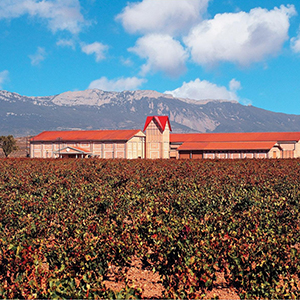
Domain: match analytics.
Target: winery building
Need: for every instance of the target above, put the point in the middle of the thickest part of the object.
(157, 141)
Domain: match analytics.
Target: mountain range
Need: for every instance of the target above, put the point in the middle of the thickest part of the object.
(96, 109)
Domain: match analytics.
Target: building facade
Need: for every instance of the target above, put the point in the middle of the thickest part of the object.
(236, 145)
(157, 130)
(79, 144)
(157, 142)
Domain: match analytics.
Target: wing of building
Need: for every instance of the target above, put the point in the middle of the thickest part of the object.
(99, 143)
(156, 141)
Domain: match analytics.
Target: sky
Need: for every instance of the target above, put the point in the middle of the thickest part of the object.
(248, 51)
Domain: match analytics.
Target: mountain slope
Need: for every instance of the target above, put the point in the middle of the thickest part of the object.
(96, 109)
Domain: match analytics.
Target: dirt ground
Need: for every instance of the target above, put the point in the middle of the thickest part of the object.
(152, 287)
(144, 279)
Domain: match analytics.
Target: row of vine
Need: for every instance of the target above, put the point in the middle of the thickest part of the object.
(62, 222)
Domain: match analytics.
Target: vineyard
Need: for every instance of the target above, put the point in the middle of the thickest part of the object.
(65, 223)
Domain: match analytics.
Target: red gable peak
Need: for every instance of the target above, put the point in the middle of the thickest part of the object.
(161, 121)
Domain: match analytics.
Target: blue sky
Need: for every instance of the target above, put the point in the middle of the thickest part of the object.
(247, 51)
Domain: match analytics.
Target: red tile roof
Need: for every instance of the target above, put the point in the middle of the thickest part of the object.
(235, 137)
(86, 135)
(226, 146)
(161, 121)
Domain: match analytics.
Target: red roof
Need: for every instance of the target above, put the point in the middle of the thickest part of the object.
(86, 135)
(227, 146)
(161, 121)
(235, 137)
(79, 149)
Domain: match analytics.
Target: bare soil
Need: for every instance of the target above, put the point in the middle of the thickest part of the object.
(151, 285)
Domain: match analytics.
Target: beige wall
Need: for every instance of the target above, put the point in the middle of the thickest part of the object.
(287, 146)
(153, 141)
(173, 153)
(166, 142)
(173, 150)
(275, 152)
(227, 154)
(97, 149)
(134, 148)
(157, 142)
(41, 150)
(288, 149)
(297, 149)
(47, 149)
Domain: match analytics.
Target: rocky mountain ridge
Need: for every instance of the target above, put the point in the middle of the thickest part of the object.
(97, 109)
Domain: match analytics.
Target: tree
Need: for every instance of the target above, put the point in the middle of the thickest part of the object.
(8, 144)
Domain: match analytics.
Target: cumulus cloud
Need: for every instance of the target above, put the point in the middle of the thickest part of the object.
(126, 61)
(162, 53)
(295, 43)
(95, 48)
(118, 85)
(66, 43)
(3, 77)
(38, 57)
(234, 85)
(59, 15)
(242, 38)
(204, 90)
(157, 16)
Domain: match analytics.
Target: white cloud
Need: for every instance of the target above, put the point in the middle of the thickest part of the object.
(59, 14)
(162, 53)
(295, 43)
(204, 90)
(38, 57)
(126, 62)
(242, 38)
(234, 85)
(95, 48)
(157, 16)
(3, 77)
(66, 43)
(118, 85)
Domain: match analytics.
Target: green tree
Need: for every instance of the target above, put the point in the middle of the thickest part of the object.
(8, 144)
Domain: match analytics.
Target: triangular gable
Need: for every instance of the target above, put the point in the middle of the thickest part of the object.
(161, 121)
(72, 150)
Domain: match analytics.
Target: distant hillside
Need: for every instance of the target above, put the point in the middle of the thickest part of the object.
(96, 109)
